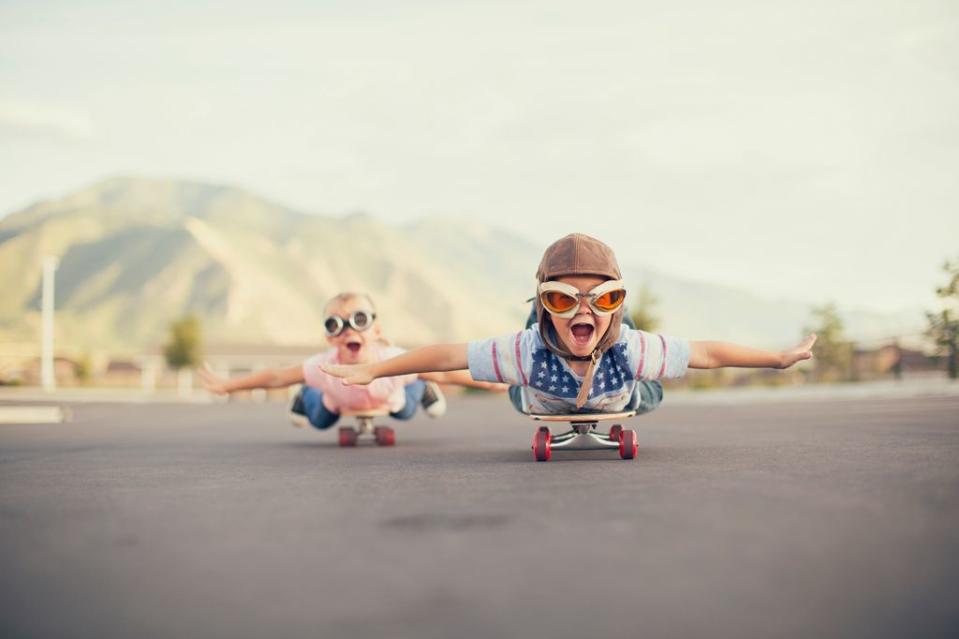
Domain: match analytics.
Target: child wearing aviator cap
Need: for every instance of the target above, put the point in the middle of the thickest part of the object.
(578, 356)
(356, 338)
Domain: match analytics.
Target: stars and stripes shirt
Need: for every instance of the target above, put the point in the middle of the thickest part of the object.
(522, 359)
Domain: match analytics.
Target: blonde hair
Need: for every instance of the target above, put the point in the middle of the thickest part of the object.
(347, 296)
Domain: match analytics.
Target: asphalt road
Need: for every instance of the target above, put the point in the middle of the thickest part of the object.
(813, 519)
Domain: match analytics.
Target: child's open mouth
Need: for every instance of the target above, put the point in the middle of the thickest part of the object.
(354, 347)
(582, 333)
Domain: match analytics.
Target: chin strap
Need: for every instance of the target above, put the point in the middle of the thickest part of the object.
(588, 379)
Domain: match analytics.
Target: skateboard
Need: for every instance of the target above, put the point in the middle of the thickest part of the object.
(382, 435)
(583, 435)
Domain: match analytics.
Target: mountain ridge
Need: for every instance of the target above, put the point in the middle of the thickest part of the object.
(135, 253)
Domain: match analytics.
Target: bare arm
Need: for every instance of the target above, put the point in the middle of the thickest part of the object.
(720, 354)
(463, 378)
(266, 378)
(429, 359)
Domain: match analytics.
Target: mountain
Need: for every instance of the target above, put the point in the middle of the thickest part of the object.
(137, 253)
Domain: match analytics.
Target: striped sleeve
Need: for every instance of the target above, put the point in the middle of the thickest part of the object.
(505, 359)
(654, 356)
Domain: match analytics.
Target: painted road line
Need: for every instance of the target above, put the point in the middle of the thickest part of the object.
(32, 415)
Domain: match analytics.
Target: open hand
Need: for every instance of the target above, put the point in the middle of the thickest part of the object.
(799, 353)
(211, 381)
(350, 373)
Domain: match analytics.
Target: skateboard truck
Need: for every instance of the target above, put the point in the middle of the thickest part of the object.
(382, 435)
(583, 435)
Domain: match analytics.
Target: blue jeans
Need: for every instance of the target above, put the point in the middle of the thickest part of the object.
(322, 418)
(647, 395)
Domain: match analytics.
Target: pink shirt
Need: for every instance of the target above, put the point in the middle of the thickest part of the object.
(385, 392)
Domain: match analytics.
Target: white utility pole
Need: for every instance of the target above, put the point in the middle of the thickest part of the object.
(46, 345)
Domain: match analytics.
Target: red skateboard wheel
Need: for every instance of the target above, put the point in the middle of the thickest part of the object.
(628, 444)
(541, 444)
(385, 436)
(348, 436)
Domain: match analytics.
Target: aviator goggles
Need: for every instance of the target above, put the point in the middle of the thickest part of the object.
(359, 321)
(562, 300)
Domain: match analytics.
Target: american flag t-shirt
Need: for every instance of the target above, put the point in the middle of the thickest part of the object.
(553, 375)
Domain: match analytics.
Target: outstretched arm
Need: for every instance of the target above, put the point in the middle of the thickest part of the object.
(429, 359)
(463, 378)
(720, 354)
(267, 378)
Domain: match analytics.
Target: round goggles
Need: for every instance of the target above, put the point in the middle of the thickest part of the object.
(562, 300)
(358, 320)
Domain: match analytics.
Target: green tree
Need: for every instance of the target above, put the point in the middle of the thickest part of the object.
(833, 352)
(643, 314)
(943, 327)
(83, 368)
(183, 350)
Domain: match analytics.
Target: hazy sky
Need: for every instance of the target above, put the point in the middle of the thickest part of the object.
(806, 150)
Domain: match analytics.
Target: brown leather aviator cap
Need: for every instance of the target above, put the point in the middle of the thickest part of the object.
(578, 254)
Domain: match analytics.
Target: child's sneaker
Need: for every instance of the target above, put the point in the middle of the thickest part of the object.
(297, 410)
(433, 401)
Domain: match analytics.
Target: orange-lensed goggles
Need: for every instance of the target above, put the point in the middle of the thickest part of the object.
(562, 300)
